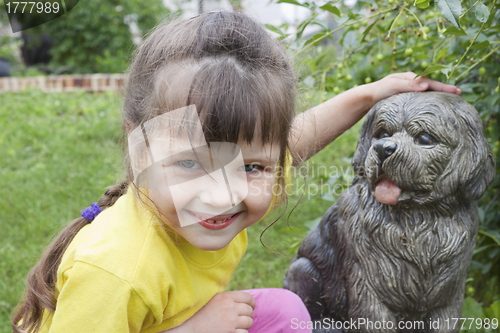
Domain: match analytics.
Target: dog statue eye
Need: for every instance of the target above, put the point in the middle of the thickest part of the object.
(383, 135)
(425, 139)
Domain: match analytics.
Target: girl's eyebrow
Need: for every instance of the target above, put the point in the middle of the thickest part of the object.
(190, 154)
(260, 158)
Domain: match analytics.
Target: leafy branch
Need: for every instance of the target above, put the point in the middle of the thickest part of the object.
(317, 40)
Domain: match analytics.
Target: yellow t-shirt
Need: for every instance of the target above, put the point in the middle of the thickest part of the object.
(123, 273)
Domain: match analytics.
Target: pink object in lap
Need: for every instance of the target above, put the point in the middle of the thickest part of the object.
(275, 309)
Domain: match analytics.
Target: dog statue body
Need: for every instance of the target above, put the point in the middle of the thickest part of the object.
(392, 254)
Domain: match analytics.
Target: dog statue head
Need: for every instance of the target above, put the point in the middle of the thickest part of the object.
(424, 148)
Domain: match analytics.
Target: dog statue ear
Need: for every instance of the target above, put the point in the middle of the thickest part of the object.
(478, 162)
(364, 142)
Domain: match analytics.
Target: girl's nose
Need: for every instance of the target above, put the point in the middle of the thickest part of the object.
(219, 198)
(224, 191)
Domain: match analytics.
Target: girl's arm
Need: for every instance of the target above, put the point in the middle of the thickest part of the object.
(312, 130)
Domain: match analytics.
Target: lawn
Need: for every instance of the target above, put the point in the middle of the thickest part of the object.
(58, 153)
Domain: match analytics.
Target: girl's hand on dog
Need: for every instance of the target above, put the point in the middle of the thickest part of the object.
(405, 82)
(314, 129)
(230, 311)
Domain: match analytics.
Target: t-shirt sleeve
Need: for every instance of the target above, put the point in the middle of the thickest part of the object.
(95, 300)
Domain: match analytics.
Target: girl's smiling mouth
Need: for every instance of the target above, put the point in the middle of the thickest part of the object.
(212, 222)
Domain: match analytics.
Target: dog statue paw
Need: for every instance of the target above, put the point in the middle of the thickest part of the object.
(392, 254)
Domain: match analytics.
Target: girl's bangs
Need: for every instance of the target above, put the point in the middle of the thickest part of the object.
(235, 104)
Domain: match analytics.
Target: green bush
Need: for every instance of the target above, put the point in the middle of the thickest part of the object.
(95, 36)
(9, 50)
(452, 41)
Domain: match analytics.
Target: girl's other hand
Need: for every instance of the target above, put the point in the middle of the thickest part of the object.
(230, 311)
(405, 82)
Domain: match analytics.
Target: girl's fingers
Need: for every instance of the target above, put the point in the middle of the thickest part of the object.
(244, 310)
(402, 76)
(439, 86)
(244, 322)
(435, 85)
(243, 297)
(428, 84)
(405, 82)
(398, 83)
(406, 75)
(238, 330)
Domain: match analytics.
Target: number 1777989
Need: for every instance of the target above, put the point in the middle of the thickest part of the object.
(28, 7)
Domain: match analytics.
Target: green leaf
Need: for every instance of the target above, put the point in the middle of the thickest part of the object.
(451, 10)
(472, 309)
(482, 12)
(367, 30)
(490, 235)
(331, 9)
(446, 71)
(493, 311)
(421, 56)
(480, 212)
(486, 268)
(319, 36)
(492, 100)
(442, 52)
(293, 2)
(431, 69)
(423, 4)
(476, 265)
(454, 31)
(349, 40)
(274, 29)
(353, 16)
(303, 25)
(495, 27)
(480, 46)
(482, 248)
(422, 48)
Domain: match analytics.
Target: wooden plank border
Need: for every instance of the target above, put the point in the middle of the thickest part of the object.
(65, 83)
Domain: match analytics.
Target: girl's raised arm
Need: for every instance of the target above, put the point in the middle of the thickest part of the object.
(314, 129)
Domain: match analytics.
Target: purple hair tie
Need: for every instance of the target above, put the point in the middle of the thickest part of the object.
(91, 212)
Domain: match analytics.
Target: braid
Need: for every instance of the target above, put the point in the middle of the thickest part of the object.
(112, 194)
(42, 278)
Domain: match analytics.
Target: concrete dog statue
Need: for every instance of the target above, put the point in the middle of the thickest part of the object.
(397, 245)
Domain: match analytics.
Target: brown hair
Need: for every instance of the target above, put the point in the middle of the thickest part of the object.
(238, 77)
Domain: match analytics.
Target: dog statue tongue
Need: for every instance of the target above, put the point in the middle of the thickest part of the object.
(387, 192)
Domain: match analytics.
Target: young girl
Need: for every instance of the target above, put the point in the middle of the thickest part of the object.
(209, 99)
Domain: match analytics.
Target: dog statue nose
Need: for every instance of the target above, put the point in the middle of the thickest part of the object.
(384, 149)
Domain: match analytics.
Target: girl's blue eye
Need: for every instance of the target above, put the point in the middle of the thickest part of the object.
(252, 167)
(188, 164)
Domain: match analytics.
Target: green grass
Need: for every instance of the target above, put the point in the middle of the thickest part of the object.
(58, 153)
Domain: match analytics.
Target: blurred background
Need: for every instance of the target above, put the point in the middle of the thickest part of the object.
(98, 36)
(60, 142)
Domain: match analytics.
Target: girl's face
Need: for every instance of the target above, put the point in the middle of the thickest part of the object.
(211, 210)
